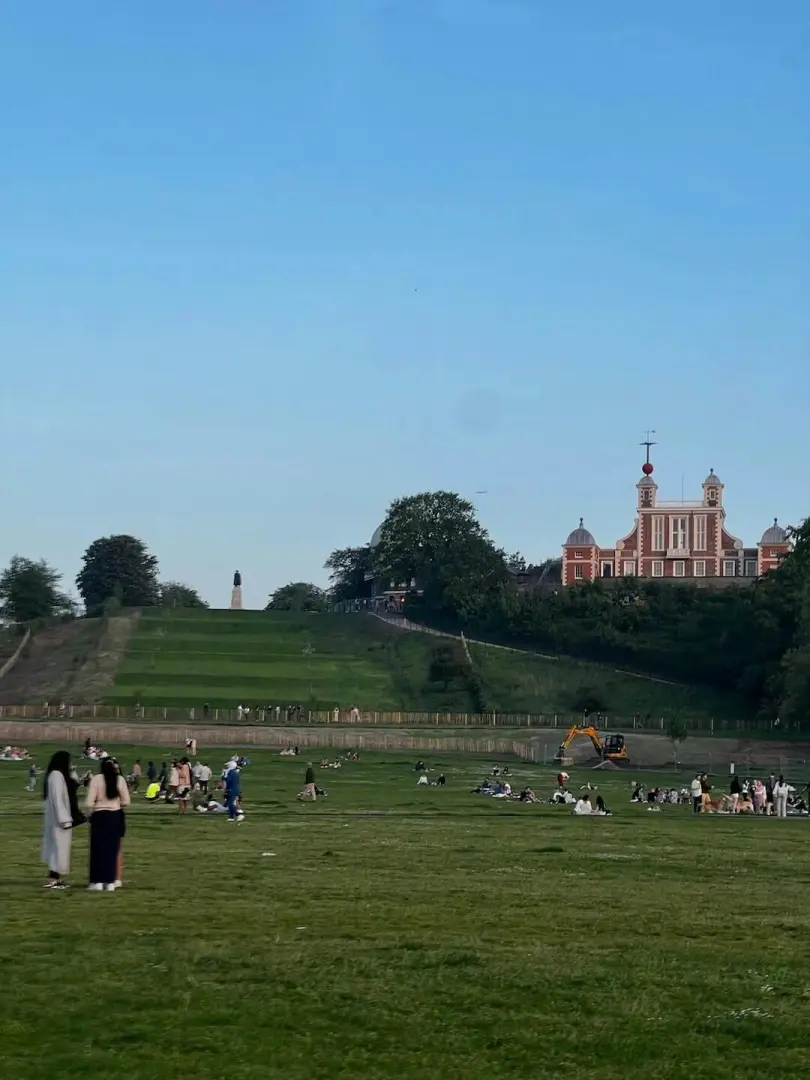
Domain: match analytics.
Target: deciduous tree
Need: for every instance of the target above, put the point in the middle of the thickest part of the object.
(29, 589)
(348, 572)
(118, 566)
(435, 539)
(174, 594)
(299, 596)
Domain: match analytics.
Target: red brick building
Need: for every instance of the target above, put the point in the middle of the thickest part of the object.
(675, 541)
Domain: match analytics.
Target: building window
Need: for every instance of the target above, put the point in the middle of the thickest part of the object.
(750, 567)
(658, 568)
(579, 572)
(774, 554)
(700, 532)
(729, 568)
(577, 554)
(679, 569)
(677, 527)
(607, 569)
(659, 543)
(700, 568)
(629, 567)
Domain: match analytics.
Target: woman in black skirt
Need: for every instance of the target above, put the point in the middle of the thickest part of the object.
(107, 795)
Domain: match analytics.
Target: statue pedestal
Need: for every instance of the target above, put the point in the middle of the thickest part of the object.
(236, 598)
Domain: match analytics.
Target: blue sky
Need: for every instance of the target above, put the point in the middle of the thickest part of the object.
(266, 265)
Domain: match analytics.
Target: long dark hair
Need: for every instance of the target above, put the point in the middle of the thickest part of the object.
(110, 774)
(60, 762)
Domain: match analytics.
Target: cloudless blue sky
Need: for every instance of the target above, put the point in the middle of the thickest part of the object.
(267, 264)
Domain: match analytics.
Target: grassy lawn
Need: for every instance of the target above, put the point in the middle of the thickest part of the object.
(402, 932)
(180, 658)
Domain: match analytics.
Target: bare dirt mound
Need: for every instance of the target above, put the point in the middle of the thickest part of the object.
(50, 662)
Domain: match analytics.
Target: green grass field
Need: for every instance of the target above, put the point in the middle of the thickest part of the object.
(180, 658)
(397, 932)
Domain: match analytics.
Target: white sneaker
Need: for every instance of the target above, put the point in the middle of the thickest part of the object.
(119, 884)
(94, 887)
(110, 888)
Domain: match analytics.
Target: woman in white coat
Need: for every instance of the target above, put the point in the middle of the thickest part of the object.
(61, 814)
(781, 790)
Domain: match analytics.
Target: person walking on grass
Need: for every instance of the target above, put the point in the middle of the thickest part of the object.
(32, 777)
(780, 797)
(233, 793)
(61, 814)
(107, 796)
(309, 783)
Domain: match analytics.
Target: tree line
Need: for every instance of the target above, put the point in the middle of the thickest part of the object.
(117, 571)
(753, 641)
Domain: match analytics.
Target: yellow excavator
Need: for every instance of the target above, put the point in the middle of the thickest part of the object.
(609, 748)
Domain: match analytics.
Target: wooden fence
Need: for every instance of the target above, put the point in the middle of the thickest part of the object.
(363, 718)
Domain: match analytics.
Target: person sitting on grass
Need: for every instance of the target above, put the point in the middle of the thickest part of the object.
(562, 798)
(583, 805)
(601, 809)
(745, 805)
(527, 796)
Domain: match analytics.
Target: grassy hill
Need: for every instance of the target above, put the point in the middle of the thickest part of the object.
(187, 657)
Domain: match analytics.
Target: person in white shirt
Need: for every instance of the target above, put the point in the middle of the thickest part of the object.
(781, 790)
(696, 791)
(584, 805)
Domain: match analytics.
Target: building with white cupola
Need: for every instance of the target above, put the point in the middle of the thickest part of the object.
(684, 540)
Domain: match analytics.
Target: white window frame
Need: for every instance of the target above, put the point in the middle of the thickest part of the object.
(679, 568)
(658, 568)
(604, 564)
(629, 568)
(579, 572)
(729, 567)
(577, 554)
(774, 554)
(750, 563)
(699, 568)
(659, 533)
(679, 532)
(701, 531)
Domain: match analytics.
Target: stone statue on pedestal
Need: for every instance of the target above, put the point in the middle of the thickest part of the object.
(236, 594)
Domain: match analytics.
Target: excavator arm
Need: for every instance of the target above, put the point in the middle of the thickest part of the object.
(576, 732)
